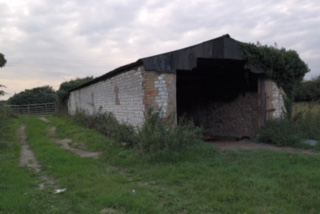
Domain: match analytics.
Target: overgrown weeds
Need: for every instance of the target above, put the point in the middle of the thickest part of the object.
(156, 137)
(304, 124)
(281, 132)
(108, 125)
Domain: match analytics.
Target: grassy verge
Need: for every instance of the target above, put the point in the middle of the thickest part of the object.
(202, 180)
(5, 115)
(18, 186)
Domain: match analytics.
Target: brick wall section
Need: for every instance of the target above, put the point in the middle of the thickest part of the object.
(123, 95)
(150, 91)
(160, 92)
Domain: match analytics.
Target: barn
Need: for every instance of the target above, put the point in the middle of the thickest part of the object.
(210, 83)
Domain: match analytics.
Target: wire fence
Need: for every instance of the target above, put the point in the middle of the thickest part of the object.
(41, 108)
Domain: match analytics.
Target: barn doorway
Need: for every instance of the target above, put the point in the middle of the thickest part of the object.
(221, 96)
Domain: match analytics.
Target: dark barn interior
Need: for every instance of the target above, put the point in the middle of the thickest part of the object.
(215, 86)
(221, 96)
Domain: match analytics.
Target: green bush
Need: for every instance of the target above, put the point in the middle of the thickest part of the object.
(281, 132)
(158, 136)
(308, 91)
(281, 65)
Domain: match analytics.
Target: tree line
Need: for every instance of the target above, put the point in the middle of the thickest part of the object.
(46, 94)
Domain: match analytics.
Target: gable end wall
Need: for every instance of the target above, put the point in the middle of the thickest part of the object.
(121, 95)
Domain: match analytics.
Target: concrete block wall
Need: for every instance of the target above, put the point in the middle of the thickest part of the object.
(122, 95)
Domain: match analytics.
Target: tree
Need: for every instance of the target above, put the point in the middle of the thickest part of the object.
(44, 94)
(65, 87)
(3, 61)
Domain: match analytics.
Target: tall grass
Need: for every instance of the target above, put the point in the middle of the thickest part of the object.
(304, 124)
(307, 117)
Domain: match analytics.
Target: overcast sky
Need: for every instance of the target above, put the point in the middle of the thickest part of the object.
(48, 42)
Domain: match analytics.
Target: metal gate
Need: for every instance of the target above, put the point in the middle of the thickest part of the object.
(41, 108)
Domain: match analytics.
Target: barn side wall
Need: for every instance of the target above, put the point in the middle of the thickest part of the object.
(127, 95)
(122, 95)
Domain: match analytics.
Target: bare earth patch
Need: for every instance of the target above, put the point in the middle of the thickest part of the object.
(65, 144)
(44, 119)
(52, 131)
(247, 145)
(28, 159)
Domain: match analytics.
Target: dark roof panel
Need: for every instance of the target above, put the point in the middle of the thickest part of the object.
(186, 59)
(223, 47)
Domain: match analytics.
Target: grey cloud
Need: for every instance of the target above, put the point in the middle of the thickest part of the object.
(117, 32)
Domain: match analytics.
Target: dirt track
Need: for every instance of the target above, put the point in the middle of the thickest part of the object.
(28, 159)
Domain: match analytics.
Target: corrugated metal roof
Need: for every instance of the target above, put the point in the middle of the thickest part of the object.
(223, 47)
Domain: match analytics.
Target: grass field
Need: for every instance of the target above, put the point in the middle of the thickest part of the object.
(201, 180)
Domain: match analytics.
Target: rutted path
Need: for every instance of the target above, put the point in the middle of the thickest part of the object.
(28, 159)
(65, 143)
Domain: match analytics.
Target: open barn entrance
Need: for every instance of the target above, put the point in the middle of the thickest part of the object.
(221, 96)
